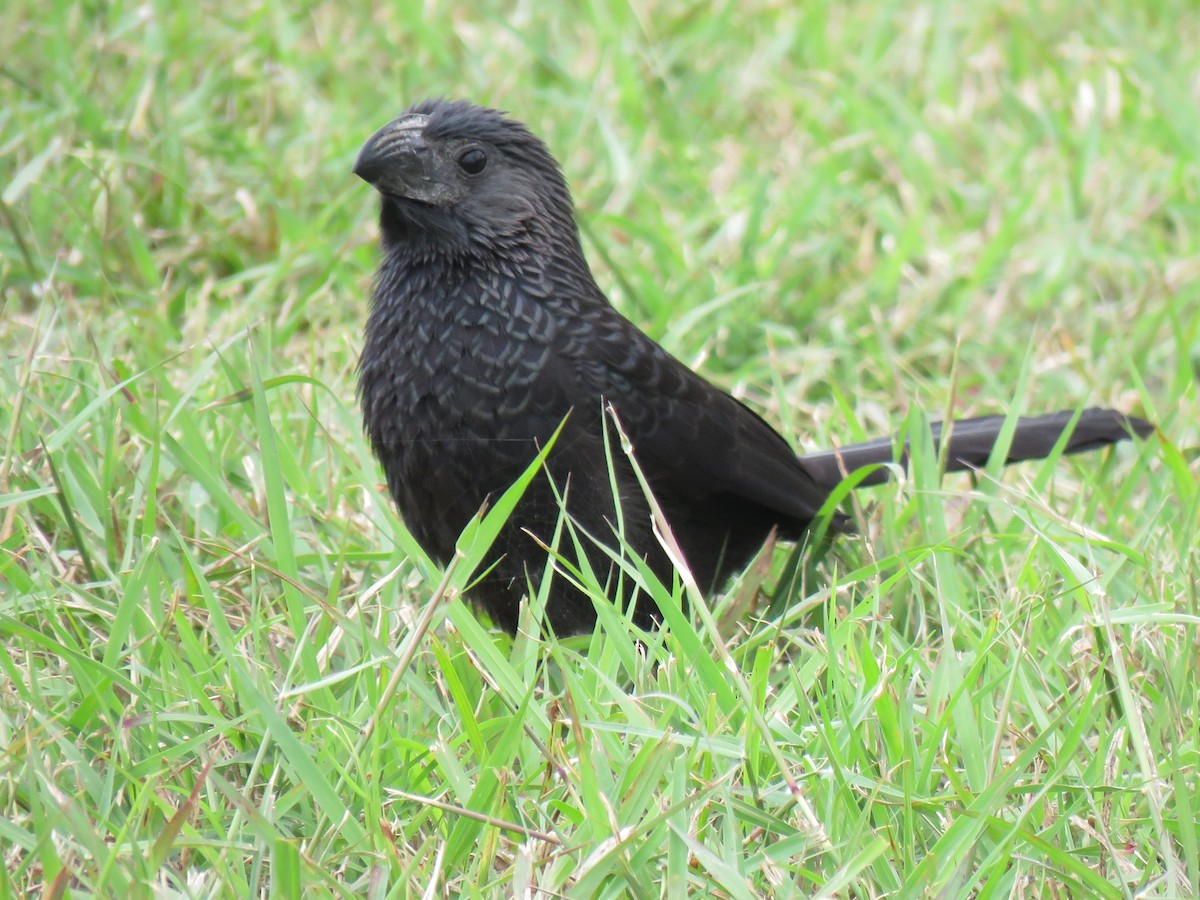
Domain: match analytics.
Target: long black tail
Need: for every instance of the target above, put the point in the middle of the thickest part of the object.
(971, 442)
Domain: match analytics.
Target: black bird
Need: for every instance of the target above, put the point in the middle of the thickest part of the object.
(487, 332)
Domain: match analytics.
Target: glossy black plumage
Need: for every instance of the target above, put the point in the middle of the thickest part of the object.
(487, 329)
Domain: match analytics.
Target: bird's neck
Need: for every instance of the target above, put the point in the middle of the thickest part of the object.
(415, 234)
(546, 257)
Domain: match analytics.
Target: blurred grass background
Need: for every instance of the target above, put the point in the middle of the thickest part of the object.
(840, 212)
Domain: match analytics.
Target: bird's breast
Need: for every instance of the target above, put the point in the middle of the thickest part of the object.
(452, 361)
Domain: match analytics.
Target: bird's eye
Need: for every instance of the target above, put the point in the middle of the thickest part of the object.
(472, 161)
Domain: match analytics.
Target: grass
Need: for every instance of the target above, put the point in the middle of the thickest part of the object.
(226, 671)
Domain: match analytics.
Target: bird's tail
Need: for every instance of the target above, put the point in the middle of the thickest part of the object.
(971, 442)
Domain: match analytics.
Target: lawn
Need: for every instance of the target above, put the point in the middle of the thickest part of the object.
(228, 670)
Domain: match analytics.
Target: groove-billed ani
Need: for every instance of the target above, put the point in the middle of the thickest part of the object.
(487, 331)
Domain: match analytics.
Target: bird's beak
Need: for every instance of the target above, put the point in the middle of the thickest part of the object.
(393, 157)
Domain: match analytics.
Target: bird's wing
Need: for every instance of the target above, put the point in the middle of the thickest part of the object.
(690, 437)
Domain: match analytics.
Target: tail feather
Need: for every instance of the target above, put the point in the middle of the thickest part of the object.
(972, 440)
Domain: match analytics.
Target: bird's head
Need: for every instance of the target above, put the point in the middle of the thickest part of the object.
(455, 178)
